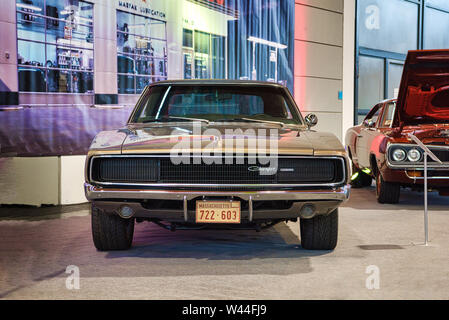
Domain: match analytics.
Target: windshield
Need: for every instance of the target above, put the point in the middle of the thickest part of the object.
(216, 104)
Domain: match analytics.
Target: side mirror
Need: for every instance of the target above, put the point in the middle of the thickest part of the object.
(369, 123)
(311, 120)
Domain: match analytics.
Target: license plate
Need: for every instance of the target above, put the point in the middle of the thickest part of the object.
(218, 211)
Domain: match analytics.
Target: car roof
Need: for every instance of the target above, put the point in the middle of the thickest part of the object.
(202, 82)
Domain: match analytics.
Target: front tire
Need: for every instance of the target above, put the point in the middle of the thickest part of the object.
(320, 232)
(111, 232)
(387, 192)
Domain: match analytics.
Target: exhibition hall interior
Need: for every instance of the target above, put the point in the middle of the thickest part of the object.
(224, 149)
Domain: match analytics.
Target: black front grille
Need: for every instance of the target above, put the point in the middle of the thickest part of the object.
(163, 170)
(308, 170)
(443, 155)
(212, 173)
(125, 169)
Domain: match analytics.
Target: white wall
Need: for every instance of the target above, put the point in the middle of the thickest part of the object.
(71, 179)
(42, 180)
(319, 61)
(105, 50)
(348, 65)
(30, 181)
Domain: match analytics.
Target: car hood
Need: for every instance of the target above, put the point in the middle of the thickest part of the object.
(431, 134)
(166, 137)
(424, 90)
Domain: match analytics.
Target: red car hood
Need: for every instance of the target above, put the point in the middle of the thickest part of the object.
(424, 91)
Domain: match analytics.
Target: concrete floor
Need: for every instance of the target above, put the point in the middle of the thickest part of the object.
(36, 246)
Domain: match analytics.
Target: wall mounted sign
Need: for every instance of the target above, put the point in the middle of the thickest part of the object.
(141, 7)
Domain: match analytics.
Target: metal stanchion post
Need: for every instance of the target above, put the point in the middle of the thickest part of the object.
(427, 153)
(426, 212)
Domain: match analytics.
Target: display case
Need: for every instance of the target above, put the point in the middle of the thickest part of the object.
(141, 52)
(58, 39)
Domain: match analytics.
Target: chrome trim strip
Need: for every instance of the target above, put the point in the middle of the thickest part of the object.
(184, 203)
(162, 102)
(415, 165)
(422, 178)
(335, 184)
(99, 193)
(172, 215)
(250, 208)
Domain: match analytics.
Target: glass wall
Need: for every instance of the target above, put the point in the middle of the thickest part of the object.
(204, 55)
(262, 41)
(141, 52)
(386, 30)
(436, 24)
(383, 28)
(55, 46)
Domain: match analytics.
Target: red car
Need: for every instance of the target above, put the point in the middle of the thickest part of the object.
(380, 147)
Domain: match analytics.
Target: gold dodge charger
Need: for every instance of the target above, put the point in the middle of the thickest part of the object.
(216, 154)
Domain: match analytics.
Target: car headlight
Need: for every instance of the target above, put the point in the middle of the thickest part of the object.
(399, 154)
(414, 155)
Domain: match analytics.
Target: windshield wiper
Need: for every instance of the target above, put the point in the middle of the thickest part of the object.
(189, 119)
(168, 119)
(253, 120)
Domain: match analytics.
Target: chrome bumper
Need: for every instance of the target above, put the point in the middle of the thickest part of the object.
(97, 193)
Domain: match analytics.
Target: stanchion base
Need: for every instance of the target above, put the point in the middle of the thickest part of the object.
(423, 244)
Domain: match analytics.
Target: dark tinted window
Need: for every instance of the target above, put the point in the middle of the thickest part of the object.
(217, 103)
(374, 113)
(187, 38)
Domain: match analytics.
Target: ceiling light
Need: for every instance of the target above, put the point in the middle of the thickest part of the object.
(268, 43)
